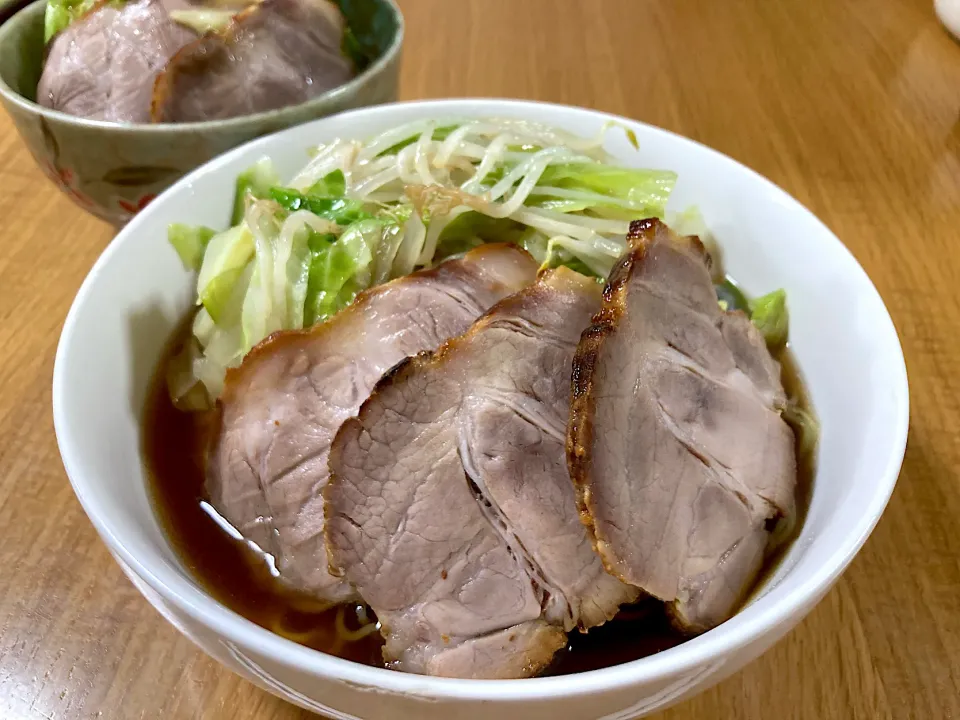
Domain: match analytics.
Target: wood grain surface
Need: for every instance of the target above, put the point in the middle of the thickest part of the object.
(851, 106)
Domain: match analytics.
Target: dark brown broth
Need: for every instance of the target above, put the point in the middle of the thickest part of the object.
(240, 578)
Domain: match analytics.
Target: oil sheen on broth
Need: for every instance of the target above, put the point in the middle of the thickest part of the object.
(242, 578)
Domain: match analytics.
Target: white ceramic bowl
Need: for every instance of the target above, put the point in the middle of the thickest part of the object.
(841, 333)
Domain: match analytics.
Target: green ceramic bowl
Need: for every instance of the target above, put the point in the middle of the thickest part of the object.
(113, 170)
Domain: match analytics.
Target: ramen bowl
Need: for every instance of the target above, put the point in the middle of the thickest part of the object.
(843, 341)
(114, 170)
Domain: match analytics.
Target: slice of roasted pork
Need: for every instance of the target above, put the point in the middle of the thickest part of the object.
(281, 408)
(104, 64)
(273, 54)
(680, 457)
(450, 506)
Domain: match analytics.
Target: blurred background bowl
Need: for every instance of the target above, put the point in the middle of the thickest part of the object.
(113, 170)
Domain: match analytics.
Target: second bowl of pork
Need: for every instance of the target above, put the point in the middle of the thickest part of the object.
(114, 159)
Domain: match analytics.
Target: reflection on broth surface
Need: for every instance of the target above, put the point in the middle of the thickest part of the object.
(244, 579)
(234, 572)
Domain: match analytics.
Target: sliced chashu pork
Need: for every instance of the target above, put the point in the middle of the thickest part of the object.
(104, 64)
(450, 506)
(281, 408)
(274, 54)
(676, 444)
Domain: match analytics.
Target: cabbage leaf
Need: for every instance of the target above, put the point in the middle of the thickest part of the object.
(59, 14)
(190, 242)
(338, 269)
(255, 181)
(769, 314)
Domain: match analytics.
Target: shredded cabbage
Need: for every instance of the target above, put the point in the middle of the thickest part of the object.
(769, 314)
(59, 14)
(225, 264)
(190, 242)
(363, 212)
(254, 182)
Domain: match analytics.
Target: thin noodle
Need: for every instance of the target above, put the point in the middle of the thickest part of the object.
(348, 635)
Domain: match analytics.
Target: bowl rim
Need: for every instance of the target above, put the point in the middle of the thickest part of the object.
(699, 651)
(160, 129)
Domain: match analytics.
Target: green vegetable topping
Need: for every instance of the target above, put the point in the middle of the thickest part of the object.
(340, 210)
(333, 282)
(769, 314)
(472, 229)
(60, 13)
(255, 181)
(333, 184)
(730, 296)
(361, 213)
(622, 192)
(190, 242)
(227, 257)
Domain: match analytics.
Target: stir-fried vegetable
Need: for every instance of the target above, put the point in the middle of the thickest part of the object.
(190, 242)
(226, 260)
(333, 185)
(254, 182)
(339, 270)
(731, 297)
(769, 314)
(607, 191)
(362, 213)
(338, 209)
(59, 14)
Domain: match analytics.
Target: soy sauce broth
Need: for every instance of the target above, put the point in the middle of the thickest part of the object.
(231, 570)
(240, 577)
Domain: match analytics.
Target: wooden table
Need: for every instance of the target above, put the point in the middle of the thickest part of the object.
(850, 106)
